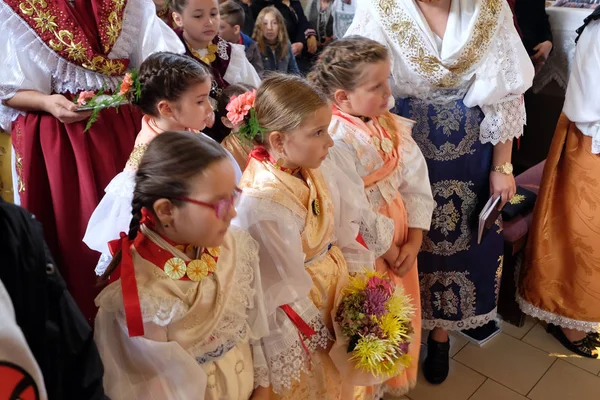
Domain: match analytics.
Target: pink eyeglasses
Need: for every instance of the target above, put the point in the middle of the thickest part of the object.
(221, 207)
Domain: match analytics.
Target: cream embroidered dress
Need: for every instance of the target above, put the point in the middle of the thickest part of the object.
(394, 173)
(306, 228)
(196, 334)
(465, 93)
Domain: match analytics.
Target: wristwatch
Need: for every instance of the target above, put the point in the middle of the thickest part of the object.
(506, 168)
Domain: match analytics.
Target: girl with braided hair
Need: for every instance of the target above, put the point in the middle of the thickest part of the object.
(305, 214)
(174, 91)
(353, 72)
(185, 296)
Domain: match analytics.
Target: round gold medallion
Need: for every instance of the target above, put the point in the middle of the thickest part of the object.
(197, 270)
(376, 142)
(210, 262)
(214, 251)
(387, 145)
(175, 268)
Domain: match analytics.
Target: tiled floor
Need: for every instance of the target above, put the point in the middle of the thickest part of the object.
(519, 364)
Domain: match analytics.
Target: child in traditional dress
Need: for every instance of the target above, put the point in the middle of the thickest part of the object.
(354, 72)
(198, 22)
(238, 147)
(306, 215)
(174, 91)
(185, 295)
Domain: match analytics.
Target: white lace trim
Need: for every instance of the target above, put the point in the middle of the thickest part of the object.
(380, 239)
(419, 212)
(556, 319)
(134, 11)
(503, 121)
(233, 326)
(103, 263)
(285, 355)
(467, 323)
(161, 310)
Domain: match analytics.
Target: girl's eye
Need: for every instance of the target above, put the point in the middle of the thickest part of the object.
(318, 133)
(200, 102)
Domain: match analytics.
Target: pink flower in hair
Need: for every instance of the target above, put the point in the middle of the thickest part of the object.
(239, 107)
(84, 97)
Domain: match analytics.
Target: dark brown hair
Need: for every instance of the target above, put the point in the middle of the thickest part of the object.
(171, 160)
(166, 76)
(282, 36)
(233, 13)
(178, 5)
(342, 62)
(228, 93)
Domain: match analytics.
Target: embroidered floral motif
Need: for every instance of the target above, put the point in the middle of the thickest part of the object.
(498, 223)
(445, 218)
(443, 190)
(112, 12)
(136, 156)
(447, 151)
(406, 34)
(498, 276)
(68, 39)
(447, 117)
(517, 199)
(453, 291)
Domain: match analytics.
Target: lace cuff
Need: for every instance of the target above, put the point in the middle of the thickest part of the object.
(503, 121)
(419, 212)
(378, 237)
(281, 357)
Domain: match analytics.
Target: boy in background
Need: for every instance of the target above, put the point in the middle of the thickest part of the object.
(230, 29)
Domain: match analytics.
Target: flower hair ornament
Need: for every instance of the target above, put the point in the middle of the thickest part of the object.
(97, 101)
(242, 114)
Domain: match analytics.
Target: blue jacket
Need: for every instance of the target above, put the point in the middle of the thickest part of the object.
(286, 65)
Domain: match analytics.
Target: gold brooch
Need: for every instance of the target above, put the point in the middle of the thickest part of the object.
(387, 145)
(197, 270)
(175, 268)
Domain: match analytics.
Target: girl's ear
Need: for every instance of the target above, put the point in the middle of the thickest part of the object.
(163, 208)
(276, 140)
(165, 109)
(340, 97)
(177, 19)
(227, 122)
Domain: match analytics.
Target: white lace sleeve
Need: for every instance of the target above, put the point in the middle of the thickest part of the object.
(240, 70)
(503, 121)
(414, 185)
(376, 230)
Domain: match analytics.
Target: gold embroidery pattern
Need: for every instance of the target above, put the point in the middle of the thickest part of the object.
(406, 34)
(113, 10)
(498, 223)
(48, 22)
(445, 218)
(447, 151)
(445, 189)
(447, 117)
(498, 276)
(136, 156)
(517, 199)
(458, 294)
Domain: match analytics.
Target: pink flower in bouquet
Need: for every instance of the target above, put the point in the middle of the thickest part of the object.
(126, 84)
(84, 97)
(377, 282)
(239, 107)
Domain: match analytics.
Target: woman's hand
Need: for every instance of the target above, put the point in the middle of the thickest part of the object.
(408, 252)
(63, 109)
(502, 185)
(391, 255)
(312, 44)
(297, 48)
(541, 56)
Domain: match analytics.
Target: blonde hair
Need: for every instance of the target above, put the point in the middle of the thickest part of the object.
(341, 63)
(282, 35)
(284, 102)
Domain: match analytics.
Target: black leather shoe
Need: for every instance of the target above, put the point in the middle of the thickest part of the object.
(437, 362)
(584, 347)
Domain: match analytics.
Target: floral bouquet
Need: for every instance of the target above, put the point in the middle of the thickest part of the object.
(96, 101)
(374, 318)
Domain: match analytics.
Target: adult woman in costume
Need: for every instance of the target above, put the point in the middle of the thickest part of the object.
(52, 50)
(459, 70)
(561, 283)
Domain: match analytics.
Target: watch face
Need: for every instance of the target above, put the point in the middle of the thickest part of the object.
(509, 168)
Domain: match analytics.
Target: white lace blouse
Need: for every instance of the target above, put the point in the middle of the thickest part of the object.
(27, 63)
(494, 77)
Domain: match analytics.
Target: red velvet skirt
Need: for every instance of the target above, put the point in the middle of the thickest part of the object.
(62, 175)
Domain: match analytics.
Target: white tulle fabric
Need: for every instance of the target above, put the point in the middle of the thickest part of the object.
(280, 358)
(582, 101)
(27, 63)
(411, 178)
(504, 72)
(113, 214)
(239, 69)
(154, 366)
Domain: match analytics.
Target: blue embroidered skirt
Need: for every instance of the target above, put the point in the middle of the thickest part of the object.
(459, 279)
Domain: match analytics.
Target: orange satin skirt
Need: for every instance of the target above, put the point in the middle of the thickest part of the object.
(561, 279)
(6, 185)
